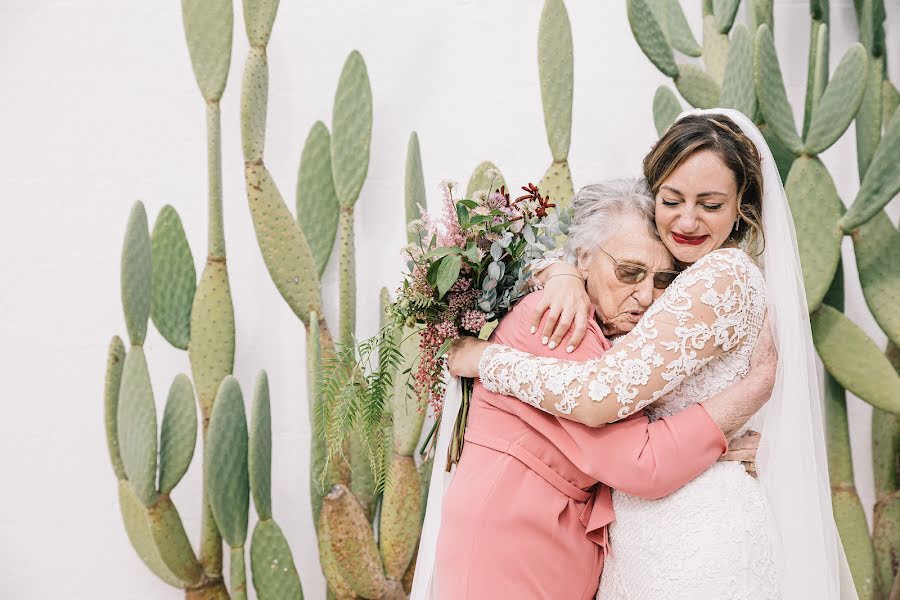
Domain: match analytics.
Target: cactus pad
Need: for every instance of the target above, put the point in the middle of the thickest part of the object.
(260, 456)
(208, 27)
(854, 360)
(178, 434)
(868, 119)
(738, 91)
(137, 274)
(413, 184)
(557, 185)
(725, 11)
(254, 104)
(816, 208)
(839, 102)
(283, 246)
(318, 449)
(400, 525)
(697, 86)
(882, 181)
(174, 279)
(886, 540)
(134, 516)
(352, 543)
(854, 532)
(715, 49)
(211, 350)
(478, 181)
(351, 129)
(272, 564)
(137, 426)
(650, 37)
(877, 248)
(238, 574)
(317, 204)
(226, 463)
(408, 418)
(259, 16)
(115, 361)
(556, 68)
(678, 31)
(771, 93)
(666, 109)
(172, 541)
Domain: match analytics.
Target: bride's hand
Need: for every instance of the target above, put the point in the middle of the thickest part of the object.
(464, 355)
(565, 301)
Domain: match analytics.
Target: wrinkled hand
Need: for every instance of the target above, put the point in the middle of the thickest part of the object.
(565, 301)
(464, 354)
(744, 449)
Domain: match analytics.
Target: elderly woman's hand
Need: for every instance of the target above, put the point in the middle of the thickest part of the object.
(565, 301)
(464, 355)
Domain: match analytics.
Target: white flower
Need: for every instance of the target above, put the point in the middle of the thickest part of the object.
(635, 372)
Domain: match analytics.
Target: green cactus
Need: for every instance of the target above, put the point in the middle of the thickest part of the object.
(178, 435)
(271, 561)
(854, 360)
(886, 522)
(136, 275)
(839, 102)
(882, 180)
(848, 511)
(226, 474)
(770, 91)
(478, 181)
(174, 279)
(666, 109)
(877, 248)
(556, 71)
(351, 543)
(414, 184)
(737, 85)
(317, 204)
(816, 208)
(400, 525)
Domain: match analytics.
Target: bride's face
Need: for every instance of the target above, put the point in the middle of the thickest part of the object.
(696, 207)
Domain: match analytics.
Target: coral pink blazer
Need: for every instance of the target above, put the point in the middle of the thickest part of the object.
(526, 514)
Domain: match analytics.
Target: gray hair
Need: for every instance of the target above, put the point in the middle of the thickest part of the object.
(597, 208)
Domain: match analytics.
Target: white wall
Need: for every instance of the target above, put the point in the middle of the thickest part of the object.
(99, 108)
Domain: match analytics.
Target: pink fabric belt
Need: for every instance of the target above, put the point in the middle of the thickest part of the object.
(597, 512)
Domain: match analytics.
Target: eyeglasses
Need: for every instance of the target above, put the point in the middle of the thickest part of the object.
(631, 273)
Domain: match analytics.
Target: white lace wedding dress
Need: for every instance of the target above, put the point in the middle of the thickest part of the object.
(713, 538)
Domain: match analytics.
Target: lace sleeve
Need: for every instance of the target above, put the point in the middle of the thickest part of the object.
(715, 306)
(539, 264)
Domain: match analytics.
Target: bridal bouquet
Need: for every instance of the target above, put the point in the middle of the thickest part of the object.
(466, 271)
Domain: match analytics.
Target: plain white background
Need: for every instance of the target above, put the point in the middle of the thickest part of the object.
(99, 108)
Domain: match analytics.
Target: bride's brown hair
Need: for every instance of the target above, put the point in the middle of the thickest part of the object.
(721, 135)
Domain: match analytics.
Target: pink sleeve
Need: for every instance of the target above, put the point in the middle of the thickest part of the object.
(650, 460)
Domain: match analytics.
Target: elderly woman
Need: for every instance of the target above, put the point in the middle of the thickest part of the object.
(526, 514)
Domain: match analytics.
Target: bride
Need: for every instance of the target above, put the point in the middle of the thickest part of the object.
(722, 212)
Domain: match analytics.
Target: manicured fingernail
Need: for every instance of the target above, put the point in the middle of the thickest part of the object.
(570, 348)
(533, 329)
(552, 345)
(544, 340)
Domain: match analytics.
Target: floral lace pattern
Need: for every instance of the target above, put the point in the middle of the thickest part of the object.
(539, 264)
(713, 310)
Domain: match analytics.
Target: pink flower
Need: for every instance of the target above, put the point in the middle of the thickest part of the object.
(473, 320)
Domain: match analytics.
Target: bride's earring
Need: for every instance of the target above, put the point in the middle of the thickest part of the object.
(737, 222)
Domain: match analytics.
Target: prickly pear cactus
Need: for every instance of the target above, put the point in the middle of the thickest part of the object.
(556, 69)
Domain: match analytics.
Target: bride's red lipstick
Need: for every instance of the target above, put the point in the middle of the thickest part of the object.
(689, 240)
